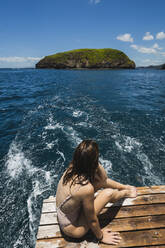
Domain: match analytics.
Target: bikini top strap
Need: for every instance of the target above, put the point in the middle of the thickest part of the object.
(68, 197)
(65, 200)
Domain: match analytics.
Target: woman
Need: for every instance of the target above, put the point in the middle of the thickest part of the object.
(77, 208)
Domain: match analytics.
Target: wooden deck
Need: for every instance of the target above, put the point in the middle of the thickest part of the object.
(140, 221)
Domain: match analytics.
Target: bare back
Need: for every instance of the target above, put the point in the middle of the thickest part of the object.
(64, 191)
(67, 191)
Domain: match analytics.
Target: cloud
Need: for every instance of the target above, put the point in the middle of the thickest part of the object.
(143, 49)
(156, 46)
(152, 61)
(125, 37)
(162, 53)
(95, 1)
(148, 36)
(20, 62)
(18, 59)
(160, 36)
(154, 49)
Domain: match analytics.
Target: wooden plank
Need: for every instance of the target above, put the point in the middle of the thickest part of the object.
(138, 223)
(61, 243)
(50, 199)
(48, 219)
(48, 207)
(145, 238)
(52, 243)
(126, 224)
(139, 200)
(141, 191)
(114, 212)
(151, 190)
(152, 187)
(143, 199)
(141, 238)
(140, 220)
(152, 246)
(50, 231)
(133, 211)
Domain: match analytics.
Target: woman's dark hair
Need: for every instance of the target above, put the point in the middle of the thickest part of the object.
(84, 163)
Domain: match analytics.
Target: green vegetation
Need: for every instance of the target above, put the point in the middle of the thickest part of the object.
(87, 58)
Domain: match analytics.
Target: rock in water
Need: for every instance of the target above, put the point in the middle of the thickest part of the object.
(87, 58)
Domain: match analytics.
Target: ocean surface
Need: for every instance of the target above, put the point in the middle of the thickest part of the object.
(45, 114)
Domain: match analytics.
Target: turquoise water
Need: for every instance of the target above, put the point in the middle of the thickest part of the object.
(44, 114)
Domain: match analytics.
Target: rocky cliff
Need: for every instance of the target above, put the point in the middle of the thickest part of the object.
(87, 58)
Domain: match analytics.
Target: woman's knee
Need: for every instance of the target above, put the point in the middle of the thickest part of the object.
(75, 232)
(80, 232)
(110, 193)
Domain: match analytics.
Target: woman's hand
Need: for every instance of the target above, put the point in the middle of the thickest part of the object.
(132, 191)
(109, 237)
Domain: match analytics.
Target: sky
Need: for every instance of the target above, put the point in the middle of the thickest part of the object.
(32, 29)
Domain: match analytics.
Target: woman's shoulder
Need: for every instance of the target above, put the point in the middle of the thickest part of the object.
(101, 172)
(86, 189)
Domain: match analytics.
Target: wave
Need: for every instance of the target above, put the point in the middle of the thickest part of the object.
(16, 162)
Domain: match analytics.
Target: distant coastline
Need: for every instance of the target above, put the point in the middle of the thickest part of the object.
(157, 67)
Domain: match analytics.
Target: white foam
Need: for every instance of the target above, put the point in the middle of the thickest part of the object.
(126, 143)
(84, 124)
(52, 125)
(16, 161)
(147, 166)
(61, 154)
(77, 113)
(38, 189)
(72, 135)
(49, 145)
(19, 241)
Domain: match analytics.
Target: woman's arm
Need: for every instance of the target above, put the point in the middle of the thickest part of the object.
(115, 185)
(89, 211)
(109, 183)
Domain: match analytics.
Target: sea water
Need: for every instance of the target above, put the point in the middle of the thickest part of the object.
(45, 114)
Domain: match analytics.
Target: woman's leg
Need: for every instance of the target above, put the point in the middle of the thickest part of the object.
(106, 195)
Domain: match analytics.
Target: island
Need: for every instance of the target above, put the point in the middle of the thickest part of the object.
(106, 58)
(157, 67)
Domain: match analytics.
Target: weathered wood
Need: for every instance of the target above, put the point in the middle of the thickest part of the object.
(142, 199)
(123, 212)
(154, 237)
(143, 238)
(140, 221)
(133, 211)
(114, 212)
(126, 224)
(48, 219)
(60, 243)
(49, 231)
(139, 200)
(141, 191)
(48, 207)
(50, 199)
